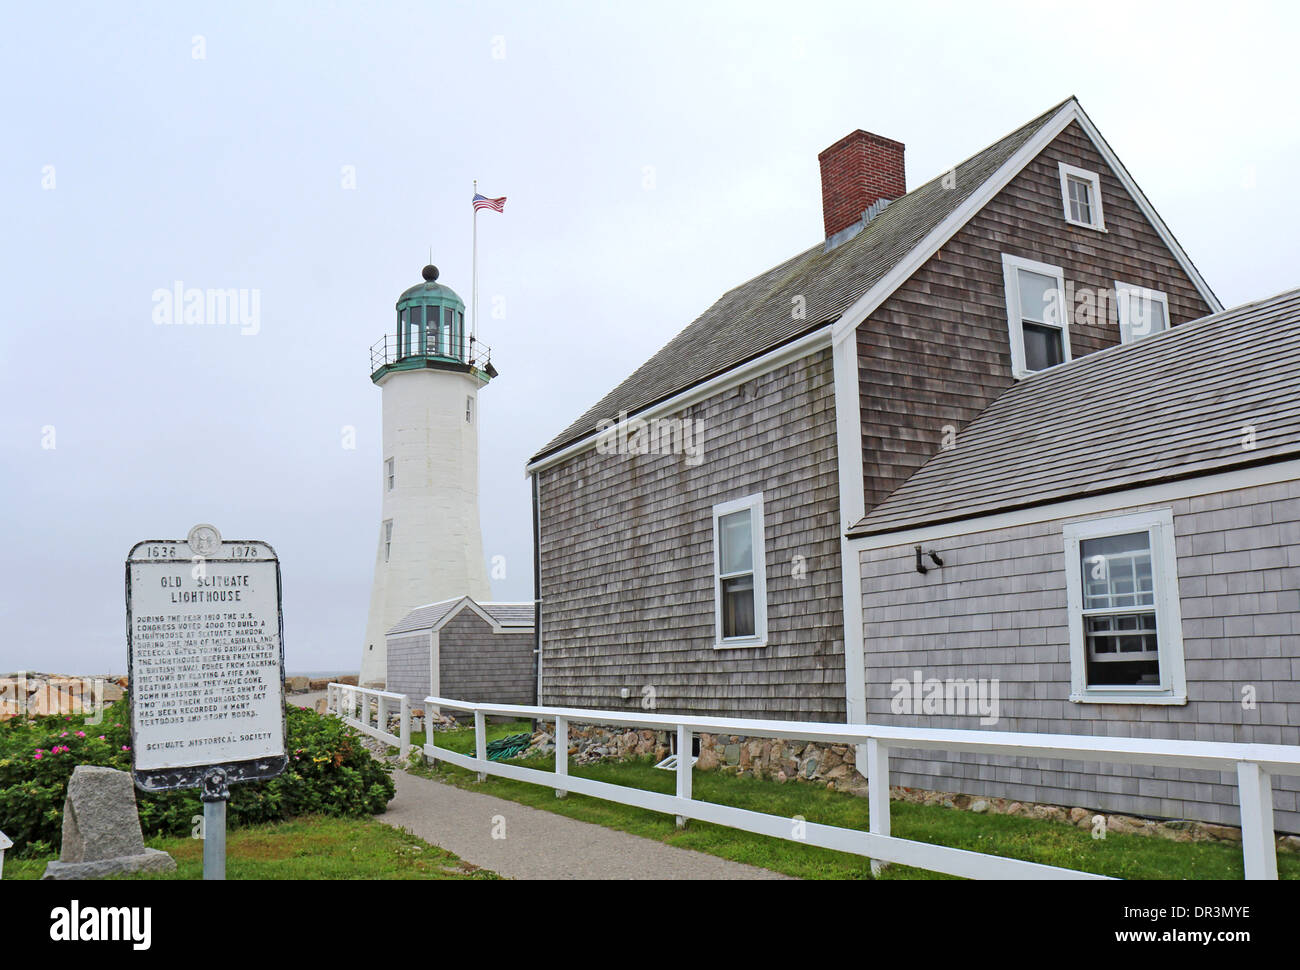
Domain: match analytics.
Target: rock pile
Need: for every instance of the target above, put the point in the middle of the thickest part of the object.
(37, 694)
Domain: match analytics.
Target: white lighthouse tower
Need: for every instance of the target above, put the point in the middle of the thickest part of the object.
(430, 545)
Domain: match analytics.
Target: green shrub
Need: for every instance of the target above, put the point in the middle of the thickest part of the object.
(329, 773)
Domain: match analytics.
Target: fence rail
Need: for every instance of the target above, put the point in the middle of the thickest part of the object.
(355, 705)
(1253, 764)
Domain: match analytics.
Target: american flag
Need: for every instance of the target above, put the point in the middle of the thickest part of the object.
(483, 202)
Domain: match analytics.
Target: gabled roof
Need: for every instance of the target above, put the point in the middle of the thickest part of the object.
(434, 616)
(847, 282)
(756, 316)
(1170, 406)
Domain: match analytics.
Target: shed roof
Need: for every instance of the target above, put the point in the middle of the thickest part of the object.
(1174, 405)
(433, 615)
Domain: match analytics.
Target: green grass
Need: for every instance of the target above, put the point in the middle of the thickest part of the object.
(311, 847)
(1049, 843)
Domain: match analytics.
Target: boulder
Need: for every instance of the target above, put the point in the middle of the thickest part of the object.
(101, 829)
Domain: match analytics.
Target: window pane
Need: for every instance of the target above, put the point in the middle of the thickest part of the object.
(735, 543)
(1146, 315)
(1039, 298)
(431, 322)
(1080, 200)
(414, 326)
(738, 607)
(1123, 650)
(1043, 347)
(1117, 572)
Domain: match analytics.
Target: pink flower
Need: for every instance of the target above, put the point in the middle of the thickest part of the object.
(64, 734)
(125, 748)
(102, 738)
(39, 756)
(81, 734)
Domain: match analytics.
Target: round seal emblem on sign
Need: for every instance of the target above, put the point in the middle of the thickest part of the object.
(204, 540)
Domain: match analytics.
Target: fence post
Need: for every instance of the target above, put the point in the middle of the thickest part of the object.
(877, 793)
(1255, 795)
(561, 753)
(684, 736)
(480, 742)
(405, 729)
(381, 720)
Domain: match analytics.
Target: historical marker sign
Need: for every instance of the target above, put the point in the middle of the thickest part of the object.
(206, 654)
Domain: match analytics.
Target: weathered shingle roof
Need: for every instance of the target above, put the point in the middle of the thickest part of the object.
(1170, 406)
(756, 317)
(428, 616)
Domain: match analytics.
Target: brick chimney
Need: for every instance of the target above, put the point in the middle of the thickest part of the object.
(858, 171)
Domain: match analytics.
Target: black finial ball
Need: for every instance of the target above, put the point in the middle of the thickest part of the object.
(430, 272)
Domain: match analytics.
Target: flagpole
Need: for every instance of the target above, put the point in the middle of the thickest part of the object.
(473, 322)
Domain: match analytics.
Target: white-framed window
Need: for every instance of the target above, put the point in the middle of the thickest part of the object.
(1037, 316)
(388, 539)
(1126, 627)
(740, 573)
(1142, 311)
(1081, 196)
(390, 476)
(469, 409)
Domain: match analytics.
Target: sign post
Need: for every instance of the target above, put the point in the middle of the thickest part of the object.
(205, 645)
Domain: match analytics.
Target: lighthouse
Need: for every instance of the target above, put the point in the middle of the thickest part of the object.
(430, 547)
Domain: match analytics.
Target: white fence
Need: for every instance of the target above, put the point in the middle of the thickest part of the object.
(1253, 764)
(356, 706)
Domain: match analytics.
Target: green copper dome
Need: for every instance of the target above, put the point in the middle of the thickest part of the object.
(431, 333)
(430, 293)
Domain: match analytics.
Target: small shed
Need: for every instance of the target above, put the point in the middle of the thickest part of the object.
(464, 649)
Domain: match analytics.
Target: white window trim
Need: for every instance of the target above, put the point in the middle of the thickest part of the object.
(754, 503)
(386, 539)
(390, 474)
(1094, 180)
(1124, 292)
(1159, 526)
(1011, 286)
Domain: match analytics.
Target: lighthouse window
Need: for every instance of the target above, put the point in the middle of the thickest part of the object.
(469, 410)
(388, 474)
(388, 539)
(414, 329)
(431, 326)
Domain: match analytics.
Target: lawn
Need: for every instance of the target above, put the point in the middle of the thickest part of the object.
(1050, 843)
(310, 847)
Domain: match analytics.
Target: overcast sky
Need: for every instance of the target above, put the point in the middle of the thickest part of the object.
(654, 155)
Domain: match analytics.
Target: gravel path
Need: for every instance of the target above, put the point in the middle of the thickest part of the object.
(542, 845)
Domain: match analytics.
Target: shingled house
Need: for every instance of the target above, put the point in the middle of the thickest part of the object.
(691, 525)
(1118, 547)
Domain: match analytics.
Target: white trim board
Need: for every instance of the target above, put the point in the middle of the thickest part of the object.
(1270, 473)
(939, 236)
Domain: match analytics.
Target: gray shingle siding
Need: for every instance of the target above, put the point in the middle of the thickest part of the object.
(627, 583)
(483, 667)
(997, 609)
(408, 666)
